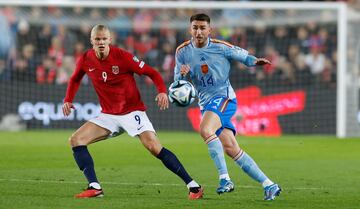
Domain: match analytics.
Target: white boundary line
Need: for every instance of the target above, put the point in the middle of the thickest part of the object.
(144, 184)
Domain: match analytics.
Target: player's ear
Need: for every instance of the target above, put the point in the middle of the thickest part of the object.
(190, 28)
(111, 35)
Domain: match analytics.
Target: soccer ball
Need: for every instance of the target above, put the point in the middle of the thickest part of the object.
(182, 93)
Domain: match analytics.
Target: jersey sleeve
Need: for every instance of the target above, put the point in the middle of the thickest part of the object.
(139, 67)
(239, 54)
(134, 64)
(156, 78)
(179, 60)
(75, 81)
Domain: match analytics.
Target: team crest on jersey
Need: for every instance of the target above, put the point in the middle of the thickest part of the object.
(204, 68)
(115, 69)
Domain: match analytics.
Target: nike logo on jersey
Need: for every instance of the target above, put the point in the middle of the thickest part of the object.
(140, 127)
(91, 69)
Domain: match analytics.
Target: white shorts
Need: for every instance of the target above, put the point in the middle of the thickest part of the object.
(133, 123)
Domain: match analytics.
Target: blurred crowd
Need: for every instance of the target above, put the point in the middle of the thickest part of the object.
(42, 44)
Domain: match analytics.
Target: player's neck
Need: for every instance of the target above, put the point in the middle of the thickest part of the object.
(201, 45)
(102, 55)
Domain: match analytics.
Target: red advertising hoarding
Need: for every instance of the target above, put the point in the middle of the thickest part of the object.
(257, 115)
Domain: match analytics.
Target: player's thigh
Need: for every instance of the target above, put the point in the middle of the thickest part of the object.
(210, 122)
(150, 142)
(135, 123)
(217, 113)
(88, 133)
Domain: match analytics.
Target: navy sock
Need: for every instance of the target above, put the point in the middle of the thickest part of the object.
(85, 162)
(173, 164)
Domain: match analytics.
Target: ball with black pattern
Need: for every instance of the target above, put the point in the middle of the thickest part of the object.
(181, 93)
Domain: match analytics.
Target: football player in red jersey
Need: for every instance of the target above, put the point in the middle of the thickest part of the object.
(111, 70)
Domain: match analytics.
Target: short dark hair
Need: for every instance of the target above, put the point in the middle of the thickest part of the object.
(200, 17)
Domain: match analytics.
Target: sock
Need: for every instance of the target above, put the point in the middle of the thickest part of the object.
(249, 166)
(173, 164)
(224, 176)
(95, 185)
(85, 162)
(217, 154)
(267, 182)
(192, 184)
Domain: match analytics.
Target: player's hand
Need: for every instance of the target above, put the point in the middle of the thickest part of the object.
(162, 101)
(184, 70)
(262, 61)
(66, 108)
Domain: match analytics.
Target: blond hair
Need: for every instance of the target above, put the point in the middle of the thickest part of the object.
(98, 28)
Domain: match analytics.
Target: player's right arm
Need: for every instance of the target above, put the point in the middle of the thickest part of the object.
(181, 69)
(73, 86)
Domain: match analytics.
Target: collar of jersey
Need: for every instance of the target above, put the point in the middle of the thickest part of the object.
(208, 44)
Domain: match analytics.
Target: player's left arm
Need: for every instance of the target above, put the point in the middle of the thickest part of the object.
(253, 61)
(139, 67)
(243, 56)
(161, 98)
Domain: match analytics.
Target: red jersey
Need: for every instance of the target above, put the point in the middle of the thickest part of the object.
(113, 80)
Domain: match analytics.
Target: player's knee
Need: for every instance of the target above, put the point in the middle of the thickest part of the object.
(75, 140)
(230, 147)
(153, 146)
(205, 133)
(231, 150)
(72, 141)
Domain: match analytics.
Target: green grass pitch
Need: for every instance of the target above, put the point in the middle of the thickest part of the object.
(37, 171)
